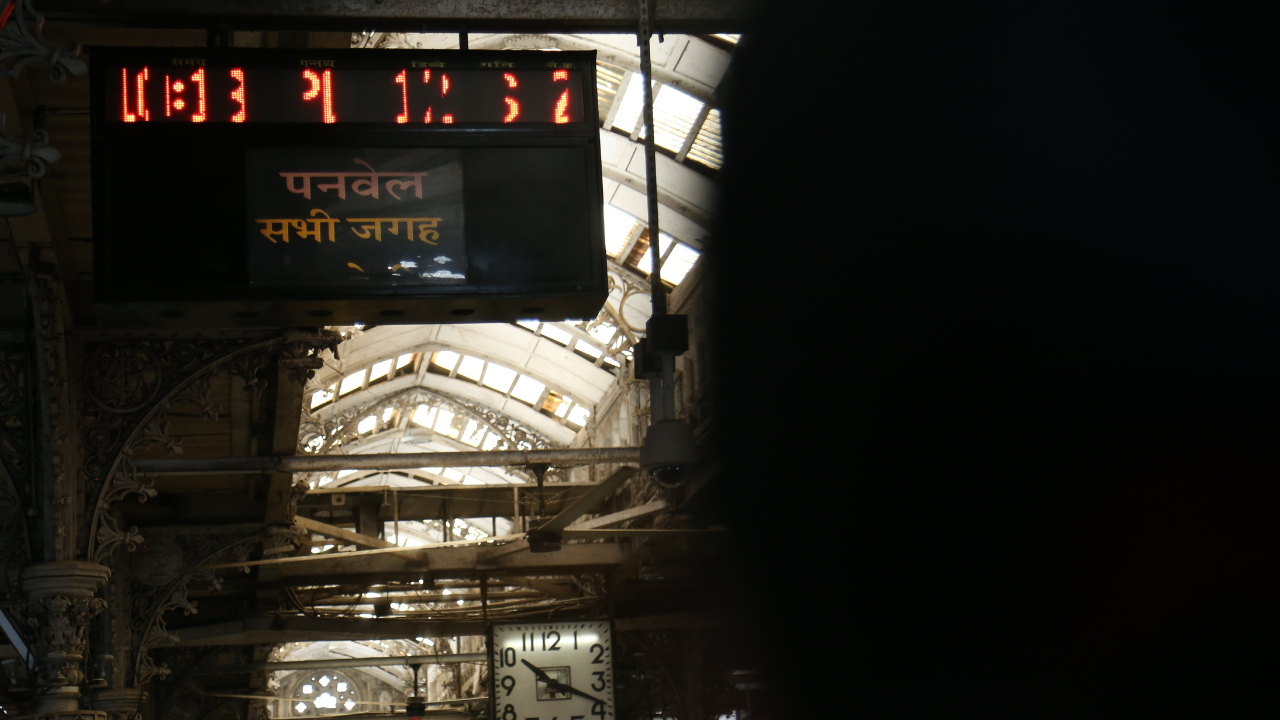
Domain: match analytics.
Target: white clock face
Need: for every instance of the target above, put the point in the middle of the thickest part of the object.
(559, 670)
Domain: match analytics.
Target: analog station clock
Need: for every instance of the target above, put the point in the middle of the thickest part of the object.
(561, 670)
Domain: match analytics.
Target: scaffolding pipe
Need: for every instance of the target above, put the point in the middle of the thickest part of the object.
(356, 662)
(382, 461)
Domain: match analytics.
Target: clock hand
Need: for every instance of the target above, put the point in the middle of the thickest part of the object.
(556, 684)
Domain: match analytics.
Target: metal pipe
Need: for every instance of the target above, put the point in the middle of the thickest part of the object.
(382, 461)
(15, 638)
(405, 661)
(659, 293)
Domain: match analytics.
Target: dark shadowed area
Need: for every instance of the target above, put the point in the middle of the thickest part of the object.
(1040, 261)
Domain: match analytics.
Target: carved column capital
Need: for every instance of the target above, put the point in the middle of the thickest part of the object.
(60, 603)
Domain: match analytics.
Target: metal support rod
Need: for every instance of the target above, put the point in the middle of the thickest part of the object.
(662, 405)
(382, 461)
(668, 387)
(650, 164)
(15, 638)
(657, 407)
(406, 661)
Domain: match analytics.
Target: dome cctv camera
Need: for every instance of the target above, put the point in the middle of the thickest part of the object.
(669, 452)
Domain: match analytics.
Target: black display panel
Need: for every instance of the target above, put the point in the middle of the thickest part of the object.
(254, 90)
(270, 223)
(355, 216)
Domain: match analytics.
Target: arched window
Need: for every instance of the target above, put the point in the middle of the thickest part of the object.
(326, 693)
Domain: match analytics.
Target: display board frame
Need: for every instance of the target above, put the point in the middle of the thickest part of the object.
(535, 243)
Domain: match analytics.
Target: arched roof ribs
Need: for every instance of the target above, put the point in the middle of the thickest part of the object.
(457, 422)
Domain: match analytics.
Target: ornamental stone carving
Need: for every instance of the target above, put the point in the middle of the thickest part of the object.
(60, 603)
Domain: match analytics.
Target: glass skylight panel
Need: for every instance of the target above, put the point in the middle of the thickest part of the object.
(608, 78)
(367, 424)
(354, 381)
(404, 360)
(321, 397)
(344, 473)
(424, 416)
(453, 474)
(445, 359)
(527, 389)
(444, 422)
(645, 263)
(563, 407)
(674, 114)
(529, 324)
(468, 480)
(679, 263)
(632, 105)
(588, 348)
(618, 226)
(474, 434)
(380, 370)
(707, 147)
(498, 377)
(728, 38)
(578, 416)
(560, 335)
(387, 412)
(471, 368)
(491, 441)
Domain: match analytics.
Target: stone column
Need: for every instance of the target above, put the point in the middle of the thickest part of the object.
(60, 604)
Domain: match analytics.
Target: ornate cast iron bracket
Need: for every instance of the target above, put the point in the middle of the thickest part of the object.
(35, 154)
(22, 42)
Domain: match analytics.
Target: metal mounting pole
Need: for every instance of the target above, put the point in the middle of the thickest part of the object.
(662, 405)
(650, 164)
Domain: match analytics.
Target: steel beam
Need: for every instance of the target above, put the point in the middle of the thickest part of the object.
(255, 630)
(590, 500)
(405, 661)
(338, 533)
(458, 562)
(382, 461)
(671, 16)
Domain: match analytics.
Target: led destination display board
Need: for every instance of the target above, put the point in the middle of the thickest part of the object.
(421, 94)
(247, 187)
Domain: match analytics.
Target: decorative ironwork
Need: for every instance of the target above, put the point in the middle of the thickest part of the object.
(321, 437)
(626, 283)
(15, 465)
(110, 535)
(184, 699)
(123, 377)
(197, 393)
(133, 384)
(158, 562)
(149, 628)
(35, 153)
(22, 42)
